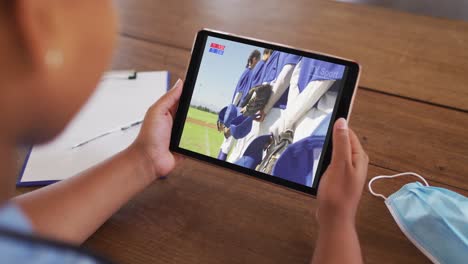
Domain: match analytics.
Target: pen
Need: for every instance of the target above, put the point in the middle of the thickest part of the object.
(107, 133)
(131, 125)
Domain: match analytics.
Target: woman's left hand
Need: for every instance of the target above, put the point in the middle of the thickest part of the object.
(155, 134)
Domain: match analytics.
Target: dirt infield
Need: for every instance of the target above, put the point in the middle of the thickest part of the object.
(201, 123)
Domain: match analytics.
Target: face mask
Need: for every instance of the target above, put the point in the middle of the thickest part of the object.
(434, 219)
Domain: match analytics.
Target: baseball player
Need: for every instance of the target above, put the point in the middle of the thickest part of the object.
(312, 95)
(240, 92)
(310, 98)
(278, 71)
(243, 83)
(256, 79)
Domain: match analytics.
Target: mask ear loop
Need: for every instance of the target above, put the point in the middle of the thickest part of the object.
(392, 176)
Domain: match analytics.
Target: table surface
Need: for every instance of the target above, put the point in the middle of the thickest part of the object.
(411, 114)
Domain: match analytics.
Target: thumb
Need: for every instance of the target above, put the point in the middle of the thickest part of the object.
(168, 101)
(341, 144)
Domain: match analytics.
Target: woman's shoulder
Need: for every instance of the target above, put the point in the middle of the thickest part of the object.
(12, 218)
(19, 245)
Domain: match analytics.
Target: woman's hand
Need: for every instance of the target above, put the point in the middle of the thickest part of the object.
(341, 186)
(155, 134)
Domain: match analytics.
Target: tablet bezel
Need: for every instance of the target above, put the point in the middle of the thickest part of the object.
(342, 107)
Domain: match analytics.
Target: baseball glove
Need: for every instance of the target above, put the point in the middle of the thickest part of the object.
(256, 99)
(274, 151)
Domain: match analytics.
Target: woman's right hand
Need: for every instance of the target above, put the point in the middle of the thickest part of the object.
(341, 186)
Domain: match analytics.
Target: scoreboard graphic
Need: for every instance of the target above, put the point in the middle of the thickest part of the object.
(217, 48)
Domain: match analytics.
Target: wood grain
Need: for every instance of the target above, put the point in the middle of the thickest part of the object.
(413, 56)
(399, 134)
(204, 214)
(453, 9)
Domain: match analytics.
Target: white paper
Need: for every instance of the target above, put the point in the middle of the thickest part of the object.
(117, 103)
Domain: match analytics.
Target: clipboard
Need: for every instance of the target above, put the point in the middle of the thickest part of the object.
(121, 99)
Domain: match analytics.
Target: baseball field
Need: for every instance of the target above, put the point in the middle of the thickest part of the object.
(200, 133)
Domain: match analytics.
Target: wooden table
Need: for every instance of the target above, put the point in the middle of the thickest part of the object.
(411, 113)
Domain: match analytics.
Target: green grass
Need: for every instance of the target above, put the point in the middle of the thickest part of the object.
(202, 116)
(201, 139)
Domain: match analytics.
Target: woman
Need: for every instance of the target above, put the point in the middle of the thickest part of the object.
(44, 46)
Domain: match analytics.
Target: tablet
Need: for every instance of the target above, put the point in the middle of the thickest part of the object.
(263, 109)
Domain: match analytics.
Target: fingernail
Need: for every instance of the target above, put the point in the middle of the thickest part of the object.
(341, 123)
(177, 84)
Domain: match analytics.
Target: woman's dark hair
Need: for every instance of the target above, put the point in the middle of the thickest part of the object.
(254, 54)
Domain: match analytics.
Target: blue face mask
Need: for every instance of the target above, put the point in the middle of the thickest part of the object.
(434, 219)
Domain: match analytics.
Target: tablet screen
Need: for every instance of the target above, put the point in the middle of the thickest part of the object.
(262, 109)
